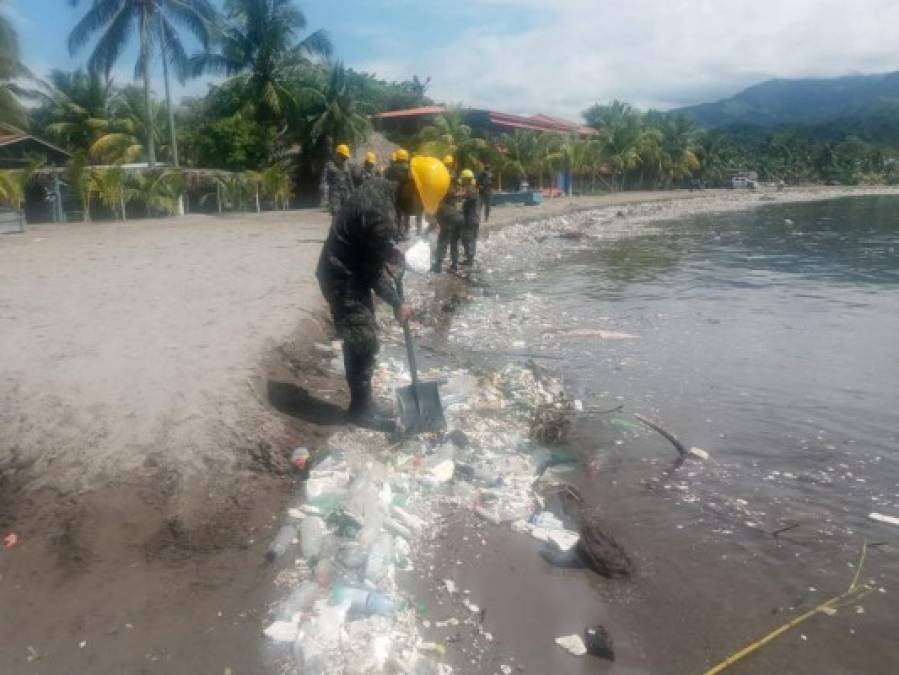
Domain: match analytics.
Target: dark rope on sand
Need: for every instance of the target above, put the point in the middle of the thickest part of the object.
(652, 425)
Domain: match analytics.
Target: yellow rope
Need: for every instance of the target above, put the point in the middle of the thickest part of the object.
(853, 592)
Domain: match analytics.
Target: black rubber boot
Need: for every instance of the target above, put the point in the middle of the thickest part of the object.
(363, 412)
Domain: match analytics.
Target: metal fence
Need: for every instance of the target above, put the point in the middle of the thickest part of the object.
(11, 221)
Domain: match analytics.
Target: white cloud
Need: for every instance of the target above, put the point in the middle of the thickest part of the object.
(654, 53)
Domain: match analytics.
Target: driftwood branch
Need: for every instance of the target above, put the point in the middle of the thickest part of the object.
(655, 427)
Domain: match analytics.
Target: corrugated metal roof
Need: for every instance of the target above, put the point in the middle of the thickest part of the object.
(7, 139)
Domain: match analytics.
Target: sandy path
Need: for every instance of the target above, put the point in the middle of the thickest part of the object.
(121, 341)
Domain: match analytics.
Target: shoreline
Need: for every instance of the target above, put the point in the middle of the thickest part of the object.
(76, 532)
(501, 640)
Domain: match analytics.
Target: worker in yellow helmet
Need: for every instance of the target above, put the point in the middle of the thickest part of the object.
(338, 179)
(355, 262)
(449, 162)
(370, 166)
(451, 221)
(409, 203)
(470, 213)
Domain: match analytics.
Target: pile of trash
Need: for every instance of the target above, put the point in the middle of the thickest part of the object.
(369, 506)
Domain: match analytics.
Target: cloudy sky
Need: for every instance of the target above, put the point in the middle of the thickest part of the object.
(559, 56)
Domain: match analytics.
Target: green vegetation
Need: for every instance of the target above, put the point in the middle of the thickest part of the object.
(262, 135)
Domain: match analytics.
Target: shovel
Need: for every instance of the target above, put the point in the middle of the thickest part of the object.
(419, 405)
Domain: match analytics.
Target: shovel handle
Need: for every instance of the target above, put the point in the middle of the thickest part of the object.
(410, 353)
(407, 336)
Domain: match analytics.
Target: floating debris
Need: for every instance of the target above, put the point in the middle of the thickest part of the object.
(879, 517)
(573, 644)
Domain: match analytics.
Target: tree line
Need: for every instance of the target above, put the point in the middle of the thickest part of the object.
(285, 102)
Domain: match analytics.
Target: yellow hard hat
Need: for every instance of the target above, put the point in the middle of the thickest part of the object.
(370, 157)
(448, 160)
(432, 180)
(402, 155)
(343, 149)
(467, 174)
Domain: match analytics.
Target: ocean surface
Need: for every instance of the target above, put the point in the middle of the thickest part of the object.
(770, 339)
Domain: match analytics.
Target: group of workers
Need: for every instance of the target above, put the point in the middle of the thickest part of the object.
(458, 217)
(371, 214)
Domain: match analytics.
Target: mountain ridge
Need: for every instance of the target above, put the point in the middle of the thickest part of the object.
(850, 99)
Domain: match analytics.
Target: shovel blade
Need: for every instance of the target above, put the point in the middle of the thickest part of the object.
(420, 408)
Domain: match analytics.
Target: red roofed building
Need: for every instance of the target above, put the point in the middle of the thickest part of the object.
(411, 120)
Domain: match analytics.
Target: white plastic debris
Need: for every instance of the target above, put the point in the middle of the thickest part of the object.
(450, 586)
(418, 257)
(318, 643)
(573, 644)
(699, 453)
(890, 520)
(283, 631)
(470, 606)
(442, 472)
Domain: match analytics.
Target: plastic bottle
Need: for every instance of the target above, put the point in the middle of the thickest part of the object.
(363, 602)
(352, 555)
(312, 531)
(379, 557)
(282, 541)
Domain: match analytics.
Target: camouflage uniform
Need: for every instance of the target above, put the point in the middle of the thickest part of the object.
(369, 171)
(452, 222)
(472, 222)
(353, 263)
(340, 181)
(409, 203)
(485, 187)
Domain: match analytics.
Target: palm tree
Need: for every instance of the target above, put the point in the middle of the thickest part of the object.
(154, 21)
(159, 192)
(715, 152)
(12, 188)
(678, 158)
(277, 185)
(620, 140)
(128, 111)
(451, 135)
(76, 107)
(330, 114)
(260, 39)
(83, 111)
(11, 110)
(109, 184)
(79, 179)
(616, 112)
(521, 148)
